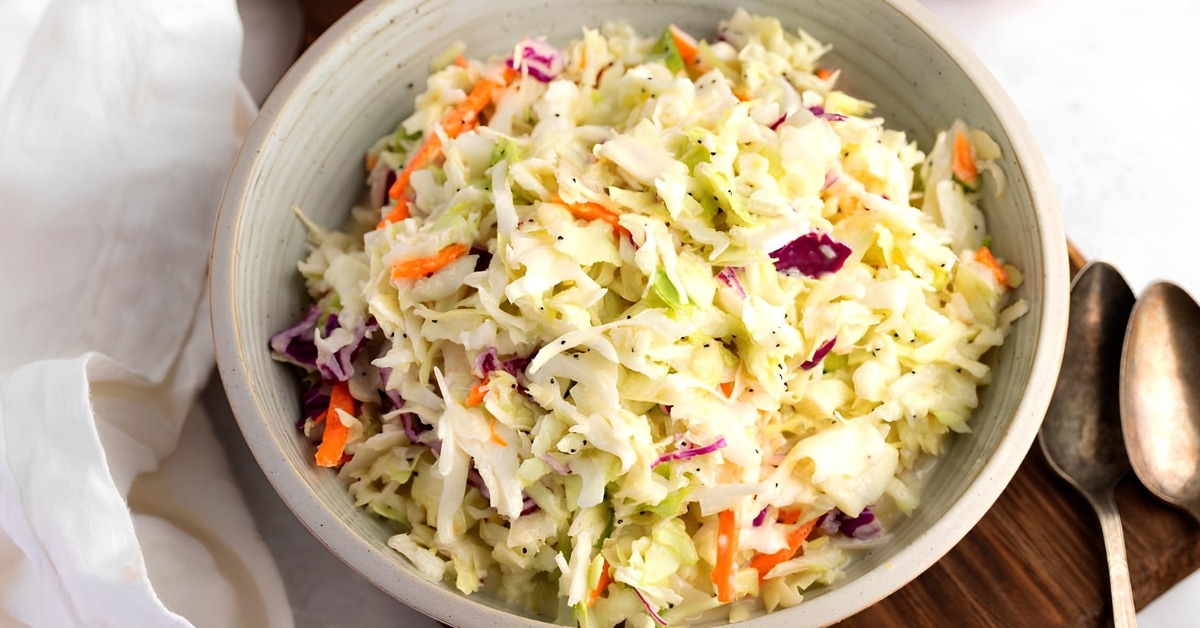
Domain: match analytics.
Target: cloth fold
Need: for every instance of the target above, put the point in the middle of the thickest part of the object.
(118, 123)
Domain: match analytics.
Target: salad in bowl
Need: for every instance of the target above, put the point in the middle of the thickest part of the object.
(649, 329)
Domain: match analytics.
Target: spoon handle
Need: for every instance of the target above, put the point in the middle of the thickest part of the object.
(1124, 612)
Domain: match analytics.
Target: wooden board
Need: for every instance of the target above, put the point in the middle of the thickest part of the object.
(1037, 558)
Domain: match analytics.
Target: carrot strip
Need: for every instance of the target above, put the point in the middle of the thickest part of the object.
(764, 563)
(741, 95)
(496, 438)
(400, 212)
(422, 266)
(601, 585)
(727, 388)
(478, 392)
(333, 442)
(823, 74)
(685, 43)
(465, 114)
(460, 61)
(789, 516)
(593, 211)
(462, 118)
(963, 164)
(372, 160)
(727, 546)
(429, 151)
(984, 256)
(424, 155)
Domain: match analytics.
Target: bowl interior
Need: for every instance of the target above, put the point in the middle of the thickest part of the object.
(355, 84)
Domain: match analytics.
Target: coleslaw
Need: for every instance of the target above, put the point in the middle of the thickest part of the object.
(649, 330)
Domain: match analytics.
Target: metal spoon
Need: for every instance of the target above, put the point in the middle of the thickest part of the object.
(1081, 435)
(1160, 395)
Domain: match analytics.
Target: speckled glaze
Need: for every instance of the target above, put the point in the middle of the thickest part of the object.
(358, 81)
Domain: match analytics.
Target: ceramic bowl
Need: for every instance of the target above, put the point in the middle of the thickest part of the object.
(358, 80)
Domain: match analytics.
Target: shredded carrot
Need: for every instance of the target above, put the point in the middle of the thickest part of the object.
(727, 546)
(605, 580)
(495, 438)
(372, 161)
(462, 118)
(400, 212)
(422, 266)
(984, 256)
(963, 164)
(460, 61)
(424, 155)
(478, 392)
(764, 563)
(789, 516)
(823, 74)
(333, 442)
(727, 388)
(685, 44)
(741, 95)
(593, 211)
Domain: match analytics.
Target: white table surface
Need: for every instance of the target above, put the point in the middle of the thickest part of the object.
(1108, 89)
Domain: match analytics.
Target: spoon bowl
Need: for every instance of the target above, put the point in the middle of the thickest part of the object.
(1160, 395)
(1081, 435)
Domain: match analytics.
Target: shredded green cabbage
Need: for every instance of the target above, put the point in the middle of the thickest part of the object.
(616, 301)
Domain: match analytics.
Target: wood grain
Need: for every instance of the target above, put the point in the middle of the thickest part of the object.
(1037, 558)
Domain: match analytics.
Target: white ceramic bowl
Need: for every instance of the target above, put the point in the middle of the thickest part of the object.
(359, 79)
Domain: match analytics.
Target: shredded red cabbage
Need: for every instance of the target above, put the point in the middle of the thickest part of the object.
(295, 344)
(828, 523)
(483, 258)
(391, 395)
(381, 179)
(728, 276)
(822, 351)
(762, 516)
(414, 427)
(339, 366)
(864, 527)
(558, 467)
(476, 480)
(813, 254)
(684, 454)
(489, 361)
(541, 60)
(820, 112)
(775, 125)
(831, 177)
(650, 609)
(315, 400)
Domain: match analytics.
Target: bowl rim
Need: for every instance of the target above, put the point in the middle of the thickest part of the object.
(447, 606)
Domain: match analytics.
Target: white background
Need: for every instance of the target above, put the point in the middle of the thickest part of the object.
(1109, 89)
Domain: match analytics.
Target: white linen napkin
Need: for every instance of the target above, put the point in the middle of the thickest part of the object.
(118, 122)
